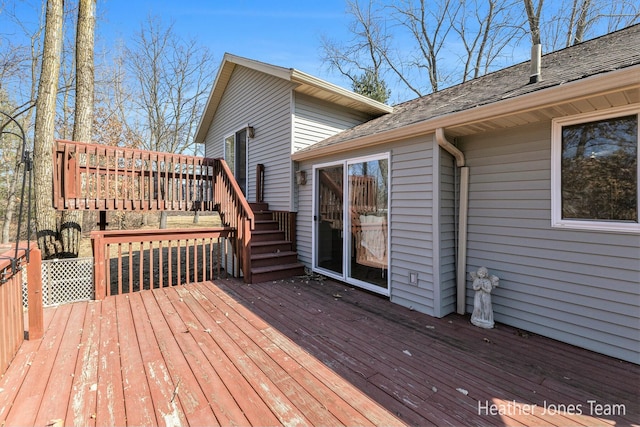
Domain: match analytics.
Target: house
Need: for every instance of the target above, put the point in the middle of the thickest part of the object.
(259, 113)
(534, 177)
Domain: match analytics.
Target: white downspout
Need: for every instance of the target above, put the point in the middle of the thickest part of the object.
(461, 274)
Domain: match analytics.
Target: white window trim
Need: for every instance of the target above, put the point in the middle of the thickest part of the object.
(556, 172)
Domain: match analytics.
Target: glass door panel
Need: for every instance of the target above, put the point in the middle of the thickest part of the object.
(329, 218)
(241, 160)
(368, 207)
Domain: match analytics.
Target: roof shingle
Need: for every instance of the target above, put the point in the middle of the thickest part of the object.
(610, 52)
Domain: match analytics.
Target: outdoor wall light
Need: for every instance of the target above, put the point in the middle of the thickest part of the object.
(251, 132)
(301, 177)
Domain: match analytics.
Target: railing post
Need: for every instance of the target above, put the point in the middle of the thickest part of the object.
(99, 284)
(293, 238)
(259, 183)
(246, 250)
(34, 294)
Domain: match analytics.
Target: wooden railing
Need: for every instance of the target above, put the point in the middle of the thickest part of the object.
(12, 331)
(287, 223)
(133, 260)
(235, 212)
(100, 177)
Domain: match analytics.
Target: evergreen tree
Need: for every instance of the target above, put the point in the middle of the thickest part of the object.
(369, 84)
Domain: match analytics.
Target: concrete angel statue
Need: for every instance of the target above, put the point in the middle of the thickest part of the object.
(483, 284)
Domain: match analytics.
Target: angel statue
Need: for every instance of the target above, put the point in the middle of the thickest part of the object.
(483, 284)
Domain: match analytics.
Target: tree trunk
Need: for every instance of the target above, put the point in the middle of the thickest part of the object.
(44, 131)
(163, 220)
(71, 228)
(533, 16)
(196, 217)
(581, 24)
(11, 207)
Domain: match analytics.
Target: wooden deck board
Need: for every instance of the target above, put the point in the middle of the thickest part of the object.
(162, 388)
(275, 398)
(495, 366)
(249, 402)
(296, 352)
(110, 405)
(221, 402)
(29, 398)
(137, 398)
(81, 410)
(12, 380)
(55, 398)
(274, 346)
(187, 388)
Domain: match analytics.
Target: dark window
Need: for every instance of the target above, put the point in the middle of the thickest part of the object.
(599, 170)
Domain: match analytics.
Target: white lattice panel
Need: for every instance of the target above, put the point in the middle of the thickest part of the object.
(67, 280)
(64, 280)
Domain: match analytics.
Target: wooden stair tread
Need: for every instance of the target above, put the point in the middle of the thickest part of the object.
(273, 254)
(272, 257)
(270, 242)
(281, 267)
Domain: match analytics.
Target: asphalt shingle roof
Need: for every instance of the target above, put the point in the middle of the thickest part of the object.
(610, 52)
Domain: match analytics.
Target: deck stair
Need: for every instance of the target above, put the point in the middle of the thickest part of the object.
(272, 256)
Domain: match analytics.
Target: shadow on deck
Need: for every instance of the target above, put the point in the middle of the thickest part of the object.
(430, 371)
(235, 354)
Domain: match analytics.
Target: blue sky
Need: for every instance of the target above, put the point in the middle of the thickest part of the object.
(282, 32)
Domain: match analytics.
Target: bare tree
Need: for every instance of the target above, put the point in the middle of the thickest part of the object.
(71, 226)
(533, 18)
(415, 40)
(173, 77)
(44, 130)
(485, 34)
(567, 22)
(19, 64)
(361, 60)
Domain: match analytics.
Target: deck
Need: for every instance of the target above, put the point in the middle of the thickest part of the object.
(300, 352)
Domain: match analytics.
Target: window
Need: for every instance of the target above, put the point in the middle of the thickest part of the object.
(230, 152)
(235, 154)
(595, 174)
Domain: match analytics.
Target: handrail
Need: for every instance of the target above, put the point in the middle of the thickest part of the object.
(234, 212)
(100, 177)
(12, 331)
(132, 260)
(287, 223)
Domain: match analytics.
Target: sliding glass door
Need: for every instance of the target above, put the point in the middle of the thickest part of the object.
(351, 222)
(330, 219)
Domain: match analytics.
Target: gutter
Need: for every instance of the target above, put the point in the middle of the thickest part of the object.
(461, 273)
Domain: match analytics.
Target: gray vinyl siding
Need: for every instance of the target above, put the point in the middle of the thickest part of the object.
(315, 120)
(577, 286)
(412, 224)
(411, 219)
(447, 283)
(264, 102)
